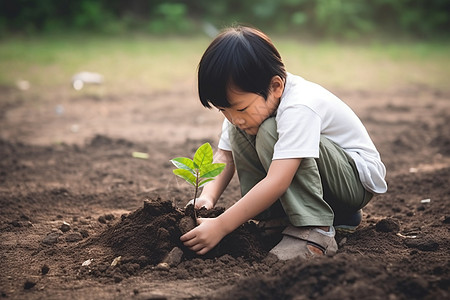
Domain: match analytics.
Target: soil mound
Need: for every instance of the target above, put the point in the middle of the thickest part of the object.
(149, 232)
(145, 237)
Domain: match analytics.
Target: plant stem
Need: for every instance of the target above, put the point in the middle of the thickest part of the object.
(195, 195)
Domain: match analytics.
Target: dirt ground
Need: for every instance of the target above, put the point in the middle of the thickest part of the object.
(81, 218)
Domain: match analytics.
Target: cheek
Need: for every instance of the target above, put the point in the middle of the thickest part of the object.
(257, 114)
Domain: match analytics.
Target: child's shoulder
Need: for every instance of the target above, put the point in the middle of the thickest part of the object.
(300, 90)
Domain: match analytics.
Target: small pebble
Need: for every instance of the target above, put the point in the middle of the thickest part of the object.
(65, 227)
(174, 257)
(74, 237)
(84, 233)
(29, 284)
(84, 222)
(16, 223)
(116, 261)
(109, 217)
(162, 266)
(51, 238)
(45, 269)
(87, 262)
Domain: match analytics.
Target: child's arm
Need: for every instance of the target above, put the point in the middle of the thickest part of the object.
(210, 231)
(212, 191)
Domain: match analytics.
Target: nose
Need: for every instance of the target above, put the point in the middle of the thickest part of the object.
(239, 121)
(235, 118)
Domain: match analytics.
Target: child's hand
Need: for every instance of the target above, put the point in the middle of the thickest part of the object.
(201, 202)
(205, 236)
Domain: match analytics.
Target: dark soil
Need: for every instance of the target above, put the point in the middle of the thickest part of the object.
(81, 218)
(145, 237)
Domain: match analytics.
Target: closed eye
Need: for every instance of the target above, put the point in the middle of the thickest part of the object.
(242, 109)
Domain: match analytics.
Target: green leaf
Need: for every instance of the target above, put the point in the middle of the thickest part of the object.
(184, 163)
(202, 183)
(211, 170)
(186, 175)
(203, 156)
(200, 170)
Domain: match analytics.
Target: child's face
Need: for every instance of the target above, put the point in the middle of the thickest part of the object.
(249, 110)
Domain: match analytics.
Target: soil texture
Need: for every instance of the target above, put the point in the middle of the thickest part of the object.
(83, 217)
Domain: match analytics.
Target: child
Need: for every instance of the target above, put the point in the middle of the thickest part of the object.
(301, 154)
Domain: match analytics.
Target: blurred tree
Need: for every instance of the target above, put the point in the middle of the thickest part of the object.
(323, 18)
(170, 18)
(348, 18)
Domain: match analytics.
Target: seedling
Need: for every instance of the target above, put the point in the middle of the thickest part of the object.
(198, 171)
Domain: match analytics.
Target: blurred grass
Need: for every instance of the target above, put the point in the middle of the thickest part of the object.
(142, 64)
(126, 63)
(367, 67)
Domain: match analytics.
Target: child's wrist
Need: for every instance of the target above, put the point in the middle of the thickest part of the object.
(208, 199)
(228, 225)
(224, 225)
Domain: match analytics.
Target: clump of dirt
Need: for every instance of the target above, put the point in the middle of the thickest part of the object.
(388, 225)
(145, 237)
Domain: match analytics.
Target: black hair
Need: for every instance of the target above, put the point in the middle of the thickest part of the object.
(243, 57)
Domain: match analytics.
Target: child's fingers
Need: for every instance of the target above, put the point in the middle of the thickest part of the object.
(196, 248)
(194, 245)
(190, 243)
(188, 236)
(203, 251)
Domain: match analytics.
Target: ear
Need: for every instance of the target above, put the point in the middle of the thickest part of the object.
(277, 86)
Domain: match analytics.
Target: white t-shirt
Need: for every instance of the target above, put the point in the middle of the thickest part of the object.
(307, 111)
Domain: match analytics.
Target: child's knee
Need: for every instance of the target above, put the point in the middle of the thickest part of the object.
(266, 138)
(267, 135)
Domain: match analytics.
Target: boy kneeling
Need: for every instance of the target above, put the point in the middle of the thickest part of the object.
(302, 155)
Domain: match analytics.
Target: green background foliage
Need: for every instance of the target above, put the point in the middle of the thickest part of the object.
(348, 19)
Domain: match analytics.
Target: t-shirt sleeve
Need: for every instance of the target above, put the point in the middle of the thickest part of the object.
(224, 142)
(299, 130)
